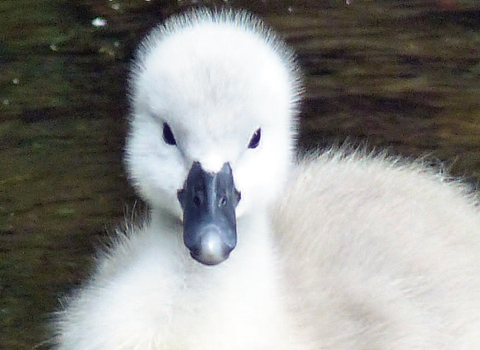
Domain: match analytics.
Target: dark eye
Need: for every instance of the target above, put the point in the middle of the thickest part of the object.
(255, 140)
(168, 135)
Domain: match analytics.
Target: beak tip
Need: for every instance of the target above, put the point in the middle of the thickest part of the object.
(213, 250)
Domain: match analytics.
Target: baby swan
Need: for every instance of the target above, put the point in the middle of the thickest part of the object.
(360, 252)
(214, 99)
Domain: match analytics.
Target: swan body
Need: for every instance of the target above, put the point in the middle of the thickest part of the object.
(335, 252)
(380, 253)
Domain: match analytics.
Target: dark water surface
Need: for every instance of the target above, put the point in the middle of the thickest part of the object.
(404, 75)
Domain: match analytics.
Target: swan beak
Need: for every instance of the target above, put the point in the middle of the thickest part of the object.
(208, 201)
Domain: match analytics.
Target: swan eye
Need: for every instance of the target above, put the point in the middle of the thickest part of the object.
(255, 140)
(168, 135)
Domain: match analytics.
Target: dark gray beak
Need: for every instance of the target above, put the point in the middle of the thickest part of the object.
(208, 201)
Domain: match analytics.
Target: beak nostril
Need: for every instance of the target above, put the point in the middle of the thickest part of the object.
(197, 201)
(223, 201)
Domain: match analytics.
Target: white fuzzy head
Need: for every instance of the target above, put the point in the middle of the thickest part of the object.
(212, 79)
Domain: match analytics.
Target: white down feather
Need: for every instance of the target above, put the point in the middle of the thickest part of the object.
(337, 252)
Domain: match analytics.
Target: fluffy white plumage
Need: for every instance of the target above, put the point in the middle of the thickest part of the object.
(355, 252)
(380, 254)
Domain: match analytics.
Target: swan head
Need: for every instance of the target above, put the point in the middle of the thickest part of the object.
(214, 100)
